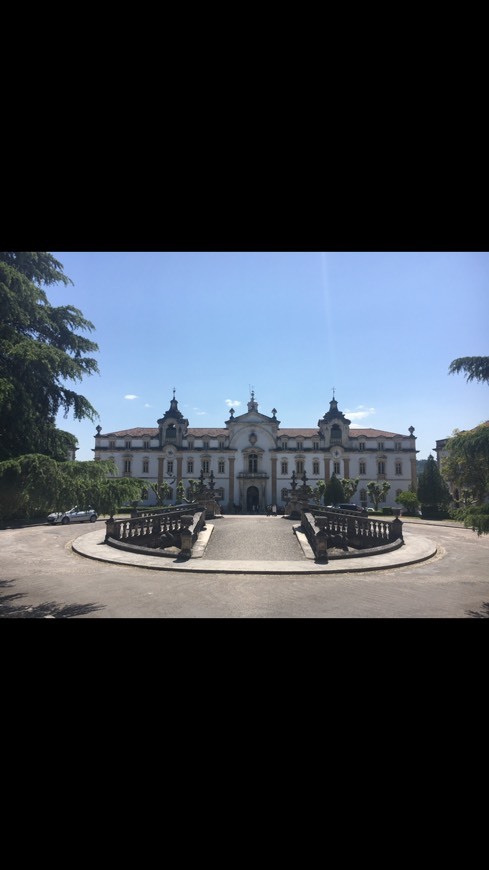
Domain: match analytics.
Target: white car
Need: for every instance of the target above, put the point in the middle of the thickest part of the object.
(73, 516)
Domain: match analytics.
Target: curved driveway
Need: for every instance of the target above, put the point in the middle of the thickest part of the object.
(41, 575)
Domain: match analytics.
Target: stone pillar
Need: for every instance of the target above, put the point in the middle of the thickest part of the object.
(346, 466)
(231, 482)
(274, 480)
(327, 469)
(160, 470)
(413, 472)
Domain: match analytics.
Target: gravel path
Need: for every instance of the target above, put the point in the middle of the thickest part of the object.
(254, 538)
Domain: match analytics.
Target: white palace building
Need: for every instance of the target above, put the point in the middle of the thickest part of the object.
(252, 458)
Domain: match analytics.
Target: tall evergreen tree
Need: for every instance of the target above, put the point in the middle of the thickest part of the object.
(333, 494)
(432, 492)
(41, 351)
(476, 368)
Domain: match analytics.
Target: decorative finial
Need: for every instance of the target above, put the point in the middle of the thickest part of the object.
(333, 392)
(173, 392)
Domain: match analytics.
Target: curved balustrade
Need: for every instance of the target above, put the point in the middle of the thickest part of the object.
(156, 532)
(341, 529)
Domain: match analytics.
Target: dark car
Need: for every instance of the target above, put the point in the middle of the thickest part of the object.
(349, 507)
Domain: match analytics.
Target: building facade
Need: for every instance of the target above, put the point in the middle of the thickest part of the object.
(252, 457)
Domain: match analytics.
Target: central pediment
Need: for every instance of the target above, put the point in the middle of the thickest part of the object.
(253, 417)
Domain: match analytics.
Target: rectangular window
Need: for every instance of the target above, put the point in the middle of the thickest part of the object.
(128, 445)
(112, 445)
(398, 445)
(361, 446)
(363, 497)
(299, 466)
(205, 466)
(190, 444)
(146, 445)
(315, 445)
(127, 466)
(190, 466)
(285, 467)
(299, 445)
(221, 445)
(221, 466)
(381, 467)
(315, 467)
(169, 466)
(145, 466)
(398, 467)
(363, 468)
(284, 445)
(380, 445)
(336, 468)
(206, 445)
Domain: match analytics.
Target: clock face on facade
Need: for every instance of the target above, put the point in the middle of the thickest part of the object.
(336, 453)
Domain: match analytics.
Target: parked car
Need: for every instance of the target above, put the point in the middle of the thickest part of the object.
(343, 507)
(73, 516)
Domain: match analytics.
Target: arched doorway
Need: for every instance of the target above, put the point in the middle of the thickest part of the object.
(252, 499)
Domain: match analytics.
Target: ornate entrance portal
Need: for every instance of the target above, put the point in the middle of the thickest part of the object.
(252, 499)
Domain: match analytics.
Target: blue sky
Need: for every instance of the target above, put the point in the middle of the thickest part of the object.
(382, 328)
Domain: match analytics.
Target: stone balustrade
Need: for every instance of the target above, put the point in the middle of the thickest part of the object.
(344, 530)
(156, 532)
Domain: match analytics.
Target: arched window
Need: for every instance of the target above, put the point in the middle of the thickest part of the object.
(335, 433)
(252, 462)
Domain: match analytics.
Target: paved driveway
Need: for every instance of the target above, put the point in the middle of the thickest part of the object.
(40, 575)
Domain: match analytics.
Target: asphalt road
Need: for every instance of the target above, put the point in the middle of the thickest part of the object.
(41, 576)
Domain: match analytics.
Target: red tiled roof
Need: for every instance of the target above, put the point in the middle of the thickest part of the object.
(199, 432)
(375, 433)
(135, 433)
(293, 433)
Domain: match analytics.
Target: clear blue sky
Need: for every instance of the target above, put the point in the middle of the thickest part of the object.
(382, 328)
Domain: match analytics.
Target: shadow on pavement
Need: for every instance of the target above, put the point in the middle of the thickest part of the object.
(476, 614)
(10, 607)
